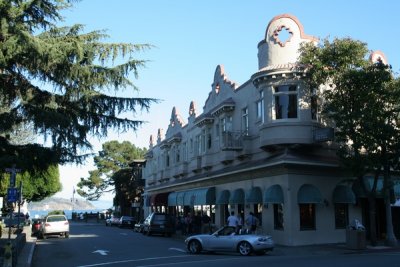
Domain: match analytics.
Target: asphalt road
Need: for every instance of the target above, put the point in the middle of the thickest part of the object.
(98, 245)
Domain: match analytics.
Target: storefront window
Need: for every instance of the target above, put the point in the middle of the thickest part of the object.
(258, 212)
(307, 217)
(278, 216)
(341, 215)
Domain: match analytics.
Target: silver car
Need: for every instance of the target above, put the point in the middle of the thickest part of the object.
(227, 239)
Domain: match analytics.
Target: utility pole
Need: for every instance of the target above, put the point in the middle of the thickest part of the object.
(12, 194)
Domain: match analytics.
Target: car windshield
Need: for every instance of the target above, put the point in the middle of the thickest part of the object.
(56, 219)
(160, 217)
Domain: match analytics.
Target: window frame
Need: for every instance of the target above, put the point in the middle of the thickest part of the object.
(245, 121)
(285, 110)
(307, 218)
(260, 107)
(278, 217)
(341, 211)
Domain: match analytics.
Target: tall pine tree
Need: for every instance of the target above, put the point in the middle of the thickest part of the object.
(62, 81)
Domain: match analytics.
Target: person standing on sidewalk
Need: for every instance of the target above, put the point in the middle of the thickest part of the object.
(232, 220)
(252, 222)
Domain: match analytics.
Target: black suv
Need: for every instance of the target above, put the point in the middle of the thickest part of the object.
(159, 223)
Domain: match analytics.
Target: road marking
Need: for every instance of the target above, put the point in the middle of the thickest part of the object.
(186, 263)
(125, 261)
(178, 249)
(101, 252)
(123, 233)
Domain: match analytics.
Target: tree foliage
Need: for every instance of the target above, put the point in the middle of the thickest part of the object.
(113, 172)
(58, 80)
(36, 185)
(362, 99)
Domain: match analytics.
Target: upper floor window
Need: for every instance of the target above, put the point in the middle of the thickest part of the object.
(203, 141)
(285, 105)
(167, 159)
(245, 121)
(226, 124)
(260, 107)
(209, 138)
(177, 154)
(217, 130)
(197, 144)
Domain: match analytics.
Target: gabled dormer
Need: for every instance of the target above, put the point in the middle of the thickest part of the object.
(221, 89)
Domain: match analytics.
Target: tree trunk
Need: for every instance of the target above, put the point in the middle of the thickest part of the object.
(372, 220)
(372, 210)
(390, 237)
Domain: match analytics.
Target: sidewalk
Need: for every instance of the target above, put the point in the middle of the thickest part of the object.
(26, 255)
(329, 249)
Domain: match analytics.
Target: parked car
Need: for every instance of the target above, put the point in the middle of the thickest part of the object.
(227, 239)
(36, 224)
(112, 221)
(54, 225)
(126, 221)
(159, 223)
(138, 227)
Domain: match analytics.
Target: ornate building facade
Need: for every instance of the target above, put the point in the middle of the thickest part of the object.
(258, 147)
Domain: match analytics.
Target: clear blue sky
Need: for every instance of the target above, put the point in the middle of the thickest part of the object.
(192, 37)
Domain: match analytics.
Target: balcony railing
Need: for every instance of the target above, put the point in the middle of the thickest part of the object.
(232, 140)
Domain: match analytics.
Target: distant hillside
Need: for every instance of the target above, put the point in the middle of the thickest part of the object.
(61, 204)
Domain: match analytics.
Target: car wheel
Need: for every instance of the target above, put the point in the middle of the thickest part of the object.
(244, 248)
(194, 247)
(66, 235)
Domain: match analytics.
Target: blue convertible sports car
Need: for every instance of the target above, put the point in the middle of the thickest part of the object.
(227, 239)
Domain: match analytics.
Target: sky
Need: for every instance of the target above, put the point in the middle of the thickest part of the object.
(191, 38)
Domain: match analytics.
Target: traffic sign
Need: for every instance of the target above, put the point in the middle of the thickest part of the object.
(13, 171)
(12, 194)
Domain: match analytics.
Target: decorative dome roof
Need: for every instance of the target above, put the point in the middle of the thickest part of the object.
(283, 37)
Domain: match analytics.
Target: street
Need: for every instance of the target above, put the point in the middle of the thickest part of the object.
(97, 245)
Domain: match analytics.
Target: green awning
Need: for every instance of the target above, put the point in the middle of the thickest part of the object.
(180, 198)
(343, 194)
(254, 195)
(223, 197)
(396, 189)
(309, 194)
(172, 199)
(274, 194)
(188, 199)
(237, 197)
(204, 196)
